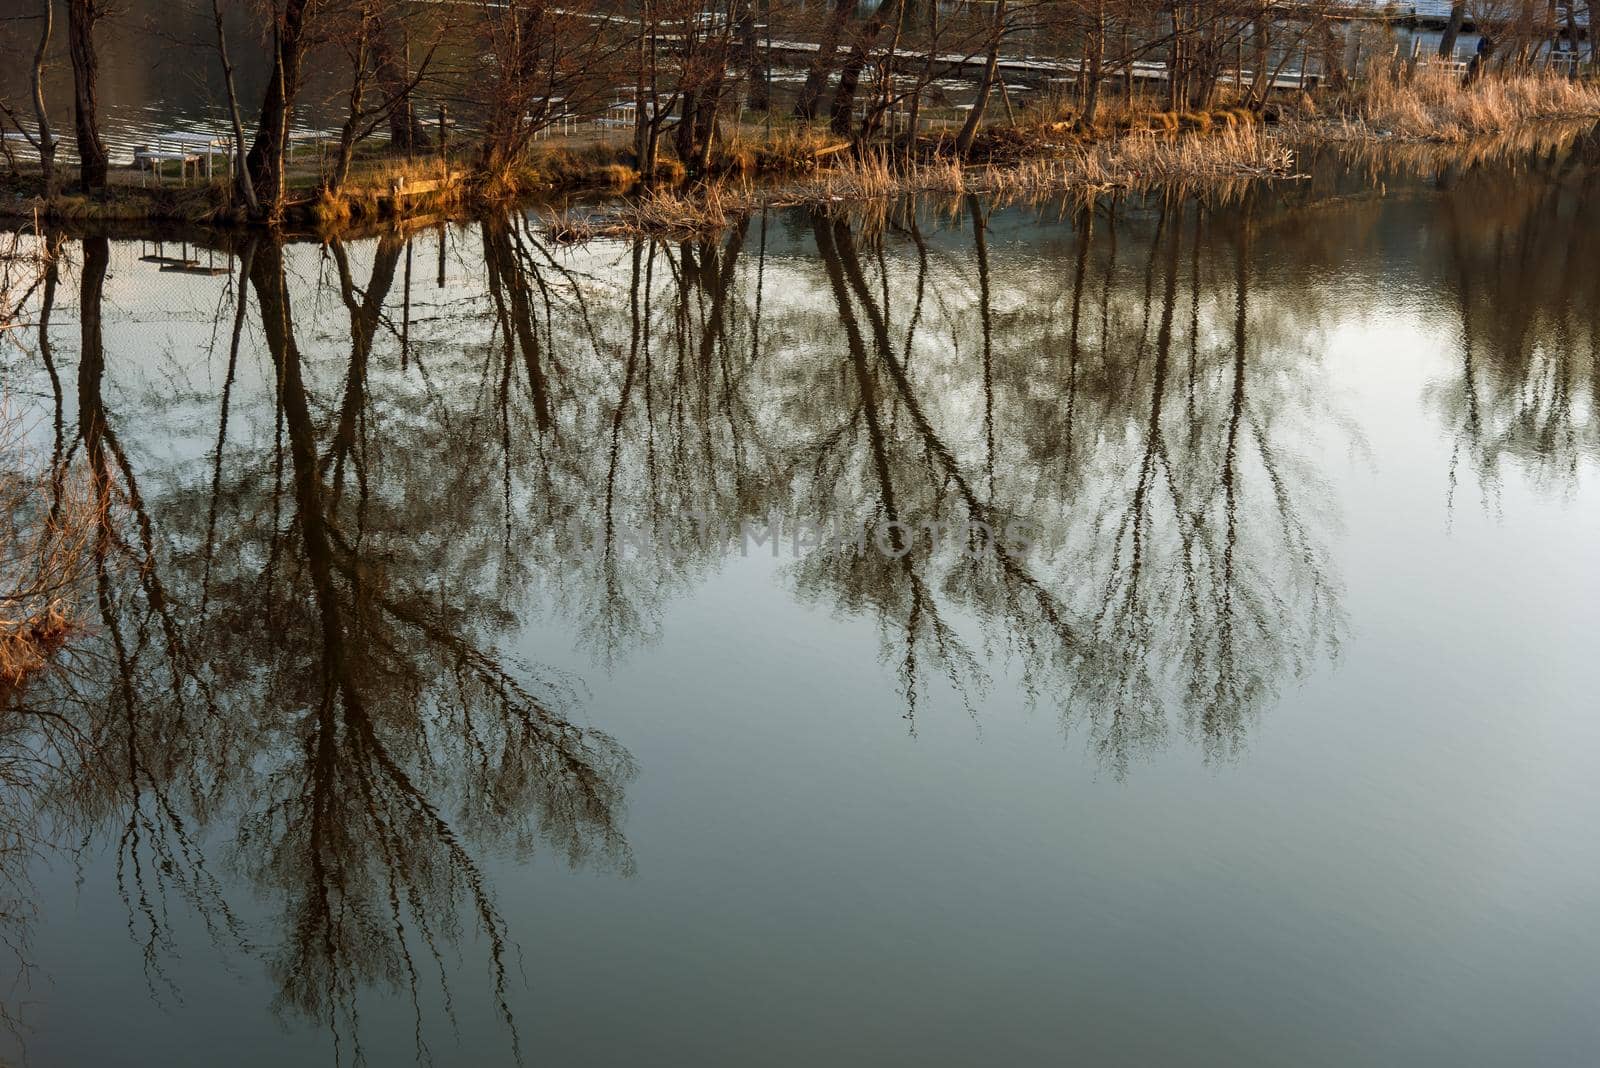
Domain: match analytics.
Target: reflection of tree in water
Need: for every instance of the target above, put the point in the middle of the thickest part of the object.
(1139, 443)
(407, 707)
(1517, 255)
(1124, 410)
(298, 631)
(284, 648)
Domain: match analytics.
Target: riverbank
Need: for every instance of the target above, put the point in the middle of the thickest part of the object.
(1043, 151)
(1217, 160)
(792, 157)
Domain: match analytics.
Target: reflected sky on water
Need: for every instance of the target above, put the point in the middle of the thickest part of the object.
(429, 707)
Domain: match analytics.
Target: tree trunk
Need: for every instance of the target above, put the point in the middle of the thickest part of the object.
(265, 162)
(914, 118)
(46, 136)
(805, 105)
(1452, 29)
(241, 178)
(889, 83)
(707, 124)
(1097, 58)
(645, 128)
(347, 145)
(1259, 85)
(1175, 61)
(1572, 35)
(393, 69)
(757, 97)
(688, 114)
(969, 129)
(357, 97)
(841, 115)
(92, 162)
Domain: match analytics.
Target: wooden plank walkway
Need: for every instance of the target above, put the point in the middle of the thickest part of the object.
(1037, 69)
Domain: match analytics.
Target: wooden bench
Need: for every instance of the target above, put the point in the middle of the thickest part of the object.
(149, 160)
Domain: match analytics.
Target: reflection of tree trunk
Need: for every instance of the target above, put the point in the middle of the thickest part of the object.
(825, 231)
(92, 427)
(1051, 614)
(1215, 725)
(508, 286)
(1080, 271)
(241, 307)
(92, 354)
(364, 318)
(980, 249)
(1469, 377)
(1137, 519)
(921, 616)
(47, 303)
(267, 278)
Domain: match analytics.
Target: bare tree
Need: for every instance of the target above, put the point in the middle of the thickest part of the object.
(289, 36)
(969, 129)
(805, 106)
(363, 42)
(82, 15)
(241, 173)
(41, 137)
(1452, 28)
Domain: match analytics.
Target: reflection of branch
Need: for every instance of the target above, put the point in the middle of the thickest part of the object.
(357, 807)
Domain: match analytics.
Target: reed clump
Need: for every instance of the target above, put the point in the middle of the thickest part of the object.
(1221, 160)
(389, 187)
(559, 166)
(1436, 103)
(708, 208)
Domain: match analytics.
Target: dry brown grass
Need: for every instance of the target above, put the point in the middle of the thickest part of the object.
(1433, 104)
(369, 191)
(667, 212)
(1138, 159)
(1221, 160)
(792, 148)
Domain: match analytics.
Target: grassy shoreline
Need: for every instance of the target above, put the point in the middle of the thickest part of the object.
(758, 167)
(793, 156)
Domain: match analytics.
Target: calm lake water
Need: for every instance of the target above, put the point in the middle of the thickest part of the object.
(158, 72)
(434, 709)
